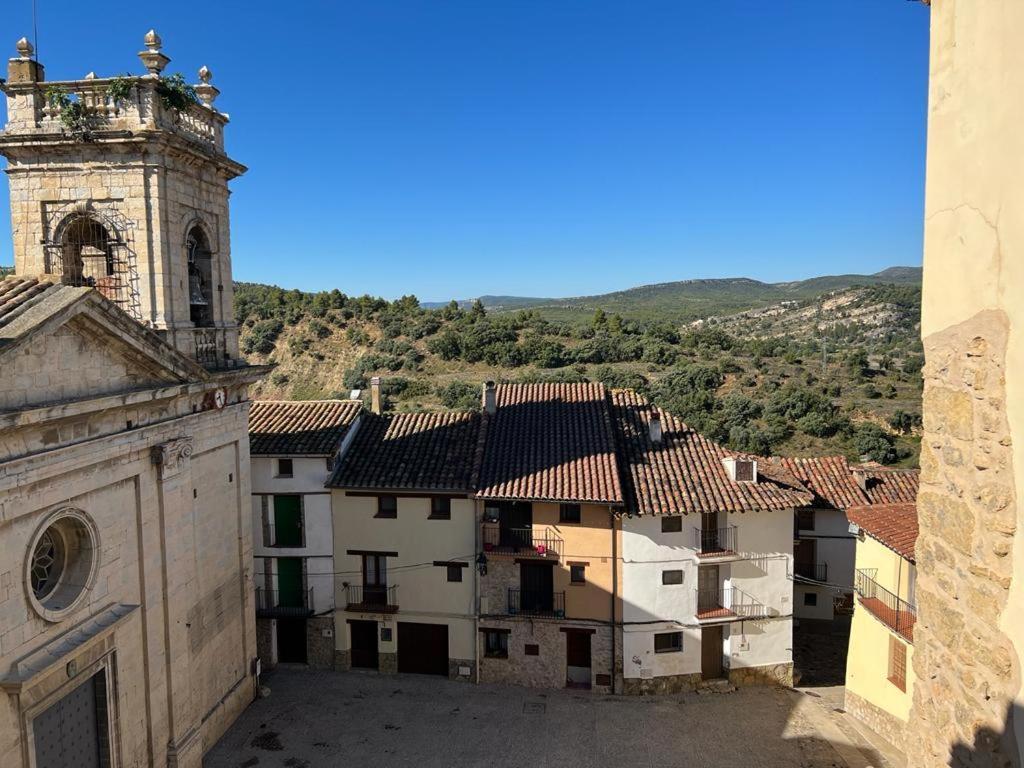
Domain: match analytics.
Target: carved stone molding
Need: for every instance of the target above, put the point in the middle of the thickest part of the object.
(173, 456)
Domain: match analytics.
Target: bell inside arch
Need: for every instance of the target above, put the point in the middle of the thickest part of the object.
(195, 289)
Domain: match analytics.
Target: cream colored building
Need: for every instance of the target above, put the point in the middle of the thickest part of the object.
(126, 617)
(879, 671)
(968, 702)
(404, 545)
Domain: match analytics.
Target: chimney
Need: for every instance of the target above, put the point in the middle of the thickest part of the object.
(655, 428)
(375, 395)
(490, 399)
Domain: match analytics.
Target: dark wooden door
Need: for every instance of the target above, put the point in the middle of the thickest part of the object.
(709, 596)
(289, 582)
(709, 532)
(577, 648)
(537, 586)
(711, 653)
(291, 641)
(515, 524)
(423, 648)
(364, 644)
(67, 733)
(375, 579)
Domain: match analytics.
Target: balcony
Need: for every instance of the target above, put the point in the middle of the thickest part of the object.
(890, 609)
(372, 598)
(536, 603)
(716, 544)
(540, 543)
(289, 603)
(726, 604)
(811, 571)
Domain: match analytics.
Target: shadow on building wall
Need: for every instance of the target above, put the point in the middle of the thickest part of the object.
(992, 749)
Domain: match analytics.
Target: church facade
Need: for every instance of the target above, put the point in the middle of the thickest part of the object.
(127, 631)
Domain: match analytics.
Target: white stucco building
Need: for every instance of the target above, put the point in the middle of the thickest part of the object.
(294, 446)
(707, 557)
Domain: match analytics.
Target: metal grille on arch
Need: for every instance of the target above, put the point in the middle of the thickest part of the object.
(93, 244)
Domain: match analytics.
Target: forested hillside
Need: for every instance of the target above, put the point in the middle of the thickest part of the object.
(836, 373)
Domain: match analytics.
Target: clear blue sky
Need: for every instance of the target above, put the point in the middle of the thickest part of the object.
(452, 148)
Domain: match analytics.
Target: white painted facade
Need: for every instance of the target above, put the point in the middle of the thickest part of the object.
(309, 474)
(762, 571)
(836, 548)
(414, 542)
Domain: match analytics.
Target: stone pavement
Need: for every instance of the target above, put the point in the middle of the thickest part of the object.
(314, 718)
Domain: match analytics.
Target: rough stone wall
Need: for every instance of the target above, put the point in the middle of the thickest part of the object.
(320, 649)
(265, 643)
(967, 670)
(636, 686)
(886, 725)
(769, 674)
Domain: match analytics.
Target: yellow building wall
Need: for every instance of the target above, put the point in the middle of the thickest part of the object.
(867, 662)
(589, 542)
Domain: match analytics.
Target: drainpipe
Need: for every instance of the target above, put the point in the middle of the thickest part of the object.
(615, 589)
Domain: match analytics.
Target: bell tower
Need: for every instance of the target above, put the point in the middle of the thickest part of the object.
(122, 184)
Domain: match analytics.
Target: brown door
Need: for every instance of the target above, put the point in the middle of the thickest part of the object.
(711, 653)
(423, 648)
(364, 644)
(805, 553)
(709, 532)
(708, 594)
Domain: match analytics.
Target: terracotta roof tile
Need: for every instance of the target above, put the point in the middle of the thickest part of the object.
(550, 442)
(411, 451)
(19, 293)
(884, 485)
(685, 473)
(830, 479)
(309, 427)
(895, 525)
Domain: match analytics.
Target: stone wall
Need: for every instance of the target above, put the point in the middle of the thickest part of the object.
(886, 725)
(637, 686)
(769, 674)
(265, 630)
(320, 649)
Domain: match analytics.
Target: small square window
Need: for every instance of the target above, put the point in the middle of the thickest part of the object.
(810, 598)
(578, 574)
(532, 649)
(569, 513)
(284, 467)
(673, 524)
(385, 634)
(454, 573)
(495, 644)
(387, 506)
(668, 642)
(440, 508)
(671, 577)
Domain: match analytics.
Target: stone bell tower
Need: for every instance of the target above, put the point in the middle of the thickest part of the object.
(122, 184)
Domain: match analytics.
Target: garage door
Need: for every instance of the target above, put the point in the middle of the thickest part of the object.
(67, 734)
(423, 648)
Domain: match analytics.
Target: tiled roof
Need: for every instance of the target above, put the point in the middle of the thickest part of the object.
(309, 427)
(551, 442)
(685, 473)
(830, 479)
(411, 451)
(888, 486)
(895, 525)
(17, 294)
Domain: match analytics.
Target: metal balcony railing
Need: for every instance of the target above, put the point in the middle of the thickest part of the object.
(728, 603)
(889, 608)
(529, 541)
(371, 598)
(715, 541)
(812, 571)
(536, 603)
(280, 603)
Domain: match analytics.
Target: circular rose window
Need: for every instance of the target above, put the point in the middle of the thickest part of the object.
(61, 563)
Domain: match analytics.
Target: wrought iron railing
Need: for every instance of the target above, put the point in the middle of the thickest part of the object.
(540, 541)
(286, 602)
(812, 571)
(727, 602)
(889, 608)
(715, 541)
(535, 603)
(371, 598)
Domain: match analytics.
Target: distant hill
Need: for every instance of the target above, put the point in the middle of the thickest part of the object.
(687, 300)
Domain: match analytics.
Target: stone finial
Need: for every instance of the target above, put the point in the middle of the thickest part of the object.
(91, 76)
(206, 91)
(25, 49)
(152, 58)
